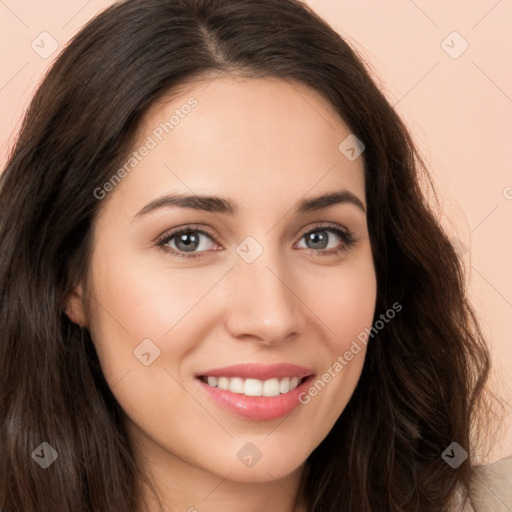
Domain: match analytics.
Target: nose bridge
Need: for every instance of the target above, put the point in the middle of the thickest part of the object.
(264, 302)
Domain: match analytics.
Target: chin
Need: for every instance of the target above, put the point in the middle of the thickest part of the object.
(264, 470)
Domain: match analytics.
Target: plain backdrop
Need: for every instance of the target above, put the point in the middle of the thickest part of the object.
(444, 65)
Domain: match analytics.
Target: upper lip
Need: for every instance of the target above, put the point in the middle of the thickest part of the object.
(259, 371)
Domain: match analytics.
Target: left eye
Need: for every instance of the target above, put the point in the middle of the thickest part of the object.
(319, 238)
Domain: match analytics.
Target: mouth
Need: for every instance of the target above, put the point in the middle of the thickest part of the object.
(256, 392)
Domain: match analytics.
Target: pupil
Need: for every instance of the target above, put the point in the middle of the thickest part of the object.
(187, 245)
(315, 238)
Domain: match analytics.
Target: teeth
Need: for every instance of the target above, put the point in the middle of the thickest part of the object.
(236, 385)
(213, 381)
(223, 383)
(271, 387)
(284, 385)
(254, 387)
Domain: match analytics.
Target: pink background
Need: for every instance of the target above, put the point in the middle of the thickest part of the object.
(458, 105)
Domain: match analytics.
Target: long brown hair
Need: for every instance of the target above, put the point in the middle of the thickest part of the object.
(423, 379)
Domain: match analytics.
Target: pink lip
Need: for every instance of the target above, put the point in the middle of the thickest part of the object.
(258, 408)
(259, 371)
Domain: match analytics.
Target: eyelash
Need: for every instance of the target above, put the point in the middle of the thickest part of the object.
(347, 237)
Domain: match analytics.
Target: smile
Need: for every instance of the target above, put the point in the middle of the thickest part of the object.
(254, 387)
(256, 392)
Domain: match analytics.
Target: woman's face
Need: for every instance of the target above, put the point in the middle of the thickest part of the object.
(256, 299)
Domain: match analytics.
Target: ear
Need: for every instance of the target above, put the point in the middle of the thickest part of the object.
(75, 306)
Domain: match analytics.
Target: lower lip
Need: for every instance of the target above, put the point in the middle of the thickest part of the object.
(258, 408)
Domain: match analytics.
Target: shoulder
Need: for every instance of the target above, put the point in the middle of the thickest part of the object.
(491, 488)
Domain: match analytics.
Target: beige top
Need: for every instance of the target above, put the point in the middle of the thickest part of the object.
(491, 490)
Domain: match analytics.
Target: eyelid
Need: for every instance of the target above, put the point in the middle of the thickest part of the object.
(187, 227)
(325, 225)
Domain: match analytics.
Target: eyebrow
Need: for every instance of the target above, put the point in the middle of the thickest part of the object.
(214, 204)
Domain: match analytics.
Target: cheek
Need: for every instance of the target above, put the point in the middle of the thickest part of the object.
(346, 304)
(138, 300)
(144, 299)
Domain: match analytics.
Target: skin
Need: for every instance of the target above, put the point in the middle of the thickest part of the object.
(265, 144)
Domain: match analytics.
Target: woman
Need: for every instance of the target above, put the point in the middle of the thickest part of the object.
(222, 287)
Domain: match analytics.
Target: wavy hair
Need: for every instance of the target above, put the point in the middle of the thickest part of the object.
(423, 384)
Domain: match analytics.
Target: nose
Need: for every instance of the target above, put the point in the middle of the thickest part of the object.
(265, 303)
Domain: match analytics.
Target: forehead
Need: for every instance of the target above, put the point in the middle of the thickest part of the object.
(253, 139)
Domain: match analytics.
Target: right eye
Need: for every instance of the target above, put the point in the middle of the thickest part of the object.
(187, 242)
